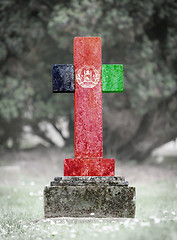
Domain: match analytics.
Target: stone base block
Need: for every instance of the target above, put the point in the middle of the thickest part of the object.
(89, 197)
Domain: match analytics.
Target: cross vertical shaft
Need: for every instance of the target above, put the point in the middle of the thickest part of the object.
(88, 98)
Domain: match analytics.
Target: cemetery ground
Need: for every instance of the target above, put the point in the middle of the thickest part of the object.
(23, 176)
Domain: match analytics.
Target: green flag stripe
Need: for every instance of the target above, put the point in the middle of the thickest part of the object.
(112, 78)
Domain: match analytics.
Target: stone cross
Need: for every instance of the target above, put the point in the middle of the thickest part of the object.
(88, 78)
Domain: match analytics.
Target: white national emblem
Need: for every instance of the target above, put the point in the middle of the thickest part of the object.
(87, 77)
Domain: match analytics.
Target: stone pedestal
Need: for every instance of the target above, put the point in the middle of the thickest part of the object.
(89, 197)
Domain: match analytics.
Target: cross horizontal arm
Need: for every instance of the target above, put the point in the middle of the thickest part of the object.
(64, 78)
(112, 78)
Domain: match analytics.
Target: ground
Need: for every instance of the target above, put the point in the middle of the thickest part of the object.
(23, 176)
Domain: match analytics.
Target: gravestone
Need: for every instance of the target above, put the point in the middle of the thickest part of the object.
(89, 187)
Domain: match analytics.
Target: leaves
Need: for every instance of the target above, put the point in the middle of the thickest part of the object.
(34, 35)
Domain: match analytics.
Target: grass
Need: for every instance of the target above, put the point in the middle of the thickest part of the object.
(21, 216)
(21, 202)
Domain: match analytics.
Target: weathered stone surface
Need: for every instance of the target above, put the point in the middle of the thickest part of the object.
(89, 197)
(85, 181)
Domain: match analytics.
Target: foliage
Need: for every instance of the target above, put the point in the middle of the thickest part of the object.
(34, 35)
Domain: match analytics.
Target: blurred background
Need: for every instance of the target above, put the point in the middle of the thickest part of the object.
(35, 34)
(37, 126)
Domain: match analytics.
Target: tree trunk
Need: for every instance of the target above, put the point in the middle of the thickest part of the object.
(156, 127)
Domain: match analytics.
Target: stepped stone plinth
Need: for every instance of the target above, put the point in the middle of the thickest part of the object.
(89, 197)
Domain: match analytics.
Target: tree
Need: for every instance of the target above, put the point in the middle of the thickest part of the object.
(141, 35)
